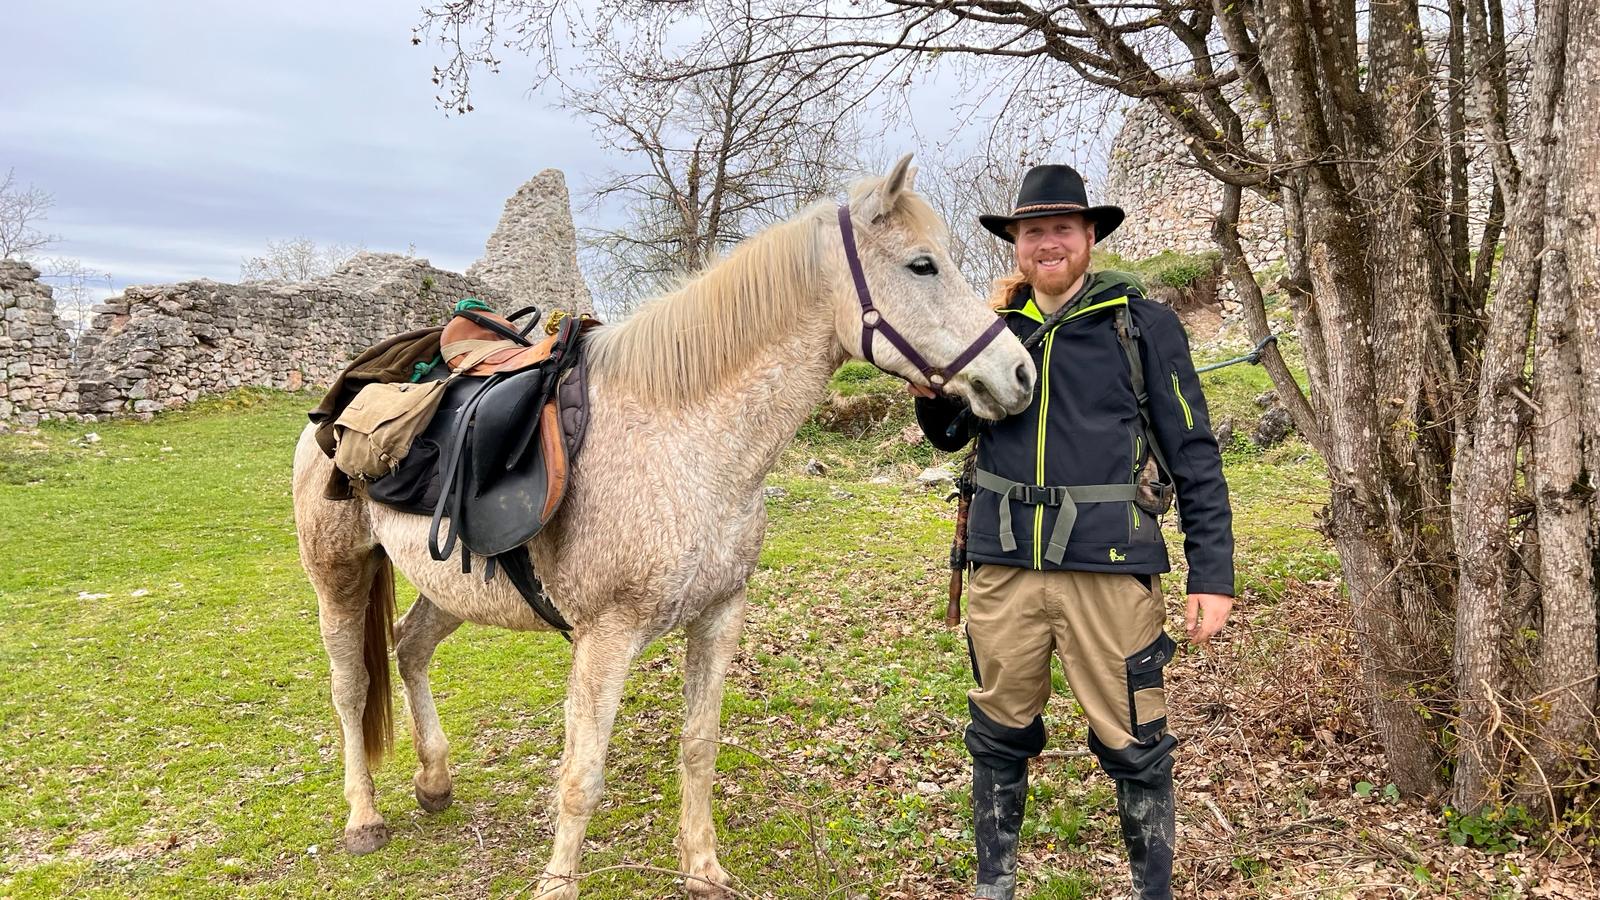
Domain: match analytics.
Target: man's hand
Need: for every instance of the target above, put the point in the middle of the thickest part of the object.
(917, 390)
(1206, 615)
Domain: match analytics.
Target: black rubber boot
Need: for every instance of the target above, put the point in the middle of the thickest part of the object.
(1146, 811)
(999, 795)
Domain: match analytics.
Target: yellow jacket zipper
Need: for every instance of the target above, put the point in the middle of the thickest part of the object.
(1038, 478)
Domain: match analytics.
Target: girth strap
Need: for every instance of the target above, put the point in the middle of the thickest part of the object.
(519, 568)
(1064, 496)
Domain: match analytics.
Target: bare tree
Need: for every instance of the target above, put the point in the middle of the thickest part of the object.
(76, 288)
(1462, 474)
(717, 157)
(966, 188)
(296, 259)
(21, 211)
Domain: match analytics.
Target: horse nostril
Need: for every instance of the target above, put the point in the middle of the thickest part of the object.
(978, 387)
(1024, 379)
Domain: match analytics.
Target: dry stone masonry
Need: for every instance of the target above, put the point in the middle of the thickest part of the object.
(35, 348)
(1171, 203)
(156, 347)
(532, 256)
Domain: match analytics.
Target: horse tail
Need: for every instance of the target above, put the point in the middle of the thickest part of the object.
(377, 717)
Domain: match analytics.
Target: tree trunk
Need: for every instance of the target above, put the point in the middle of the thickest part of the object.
(1332, 236)
(1486, 465)
(1564, 707)
(1226, 233)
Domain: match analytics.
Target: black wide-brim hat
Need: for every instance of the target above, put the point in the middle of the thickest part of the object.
(1052, 191)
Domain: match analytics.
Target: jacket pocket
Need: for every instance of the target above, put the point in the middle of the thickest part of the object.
(1147, 696)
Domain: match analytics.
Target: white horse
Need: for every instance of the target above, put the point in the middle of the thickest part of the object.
(691, 401)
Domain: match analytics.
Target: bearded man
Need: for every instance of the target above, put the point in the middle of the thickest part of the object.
(1063, 536)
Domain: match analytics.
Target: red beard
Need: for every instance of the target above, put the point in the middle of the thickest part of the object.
(1055, 283)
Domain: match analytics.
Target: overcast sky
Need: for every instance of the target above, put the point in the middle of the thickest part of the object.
(180, 136)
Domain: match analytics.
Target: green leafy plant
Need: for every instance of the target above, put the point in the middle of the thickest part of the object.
(1495, 830)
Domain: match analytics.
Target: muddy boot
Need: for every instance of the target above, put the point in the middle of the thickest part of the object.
(999, 795)
(1147, 828)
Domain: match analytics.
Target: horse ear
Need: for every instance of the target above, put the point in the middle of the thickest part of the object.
(898, 182)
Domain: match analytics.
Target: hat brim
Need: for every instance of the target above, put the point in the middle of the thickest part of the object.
(1105, 219)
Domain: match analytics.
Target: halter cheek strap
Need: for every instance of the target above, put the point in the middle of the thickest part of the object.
(873, 322)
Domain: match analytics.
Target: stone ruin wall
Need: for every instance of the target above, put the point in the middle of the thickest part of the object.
(156, 347)
(1170, 202)
(532, 256)
(35, 347)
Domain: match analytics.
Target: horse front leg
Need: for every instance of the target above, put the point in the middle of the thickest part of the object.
(713, 639)
(417, 634)
(600, 659)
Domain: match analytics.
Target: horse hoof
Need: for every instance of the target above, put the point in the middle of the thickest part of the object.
(707, 881)
(557, 889)
(434, 802)
(366, 839)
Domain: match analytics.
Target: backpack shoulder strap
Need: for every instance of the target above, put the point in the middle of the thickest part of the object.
(1128, 337)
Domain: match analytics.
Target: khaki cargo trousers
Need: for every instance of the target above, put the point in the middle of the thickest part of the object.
(1107, 630)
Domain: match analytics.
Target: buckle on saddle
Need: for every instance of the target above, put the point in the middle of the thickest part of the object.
(1039, 494)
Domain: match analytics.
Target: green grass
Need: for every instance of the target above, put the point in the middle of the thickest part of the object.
(165, 728)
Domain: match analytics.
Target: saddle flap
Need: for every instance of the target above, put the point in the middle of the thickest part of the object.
(502, 422)
(505, 503)
(554, 450)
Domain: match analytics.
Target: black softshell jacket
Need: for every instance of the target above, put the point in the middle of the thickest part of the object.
(1091, 433)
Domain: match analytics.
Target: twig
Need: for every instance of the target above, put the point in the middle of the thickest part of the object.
(1221, 819)
(1495, 725)
(1517, 392)
(1404, 891)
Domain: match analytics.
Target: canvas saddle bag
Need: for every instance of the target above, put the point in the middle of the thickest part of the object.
(375, 432)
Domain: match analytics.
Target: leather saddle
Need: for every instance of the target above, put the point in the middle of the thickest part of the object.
(492, 466)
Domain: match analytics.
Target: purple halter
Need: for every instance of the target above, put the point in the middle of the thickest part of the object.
(872, 321)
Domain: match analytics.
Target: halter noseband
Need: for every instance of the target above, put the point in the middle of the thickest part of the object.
(872, 321)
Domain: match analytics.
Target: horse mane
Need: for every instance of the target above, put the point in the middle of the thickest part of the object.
(679, 347)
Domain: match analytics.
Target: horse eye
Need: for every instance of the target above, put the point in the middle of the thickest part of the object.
(923, 265)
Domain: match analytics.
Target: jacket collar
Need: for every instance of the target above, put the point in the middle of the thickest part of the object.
(1106, 290)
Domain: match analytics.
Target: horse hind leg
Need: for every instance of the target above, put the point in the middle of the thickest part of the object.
(355, 609)
(354, 582)
(600, 660)
(416, 635)
(713, 639)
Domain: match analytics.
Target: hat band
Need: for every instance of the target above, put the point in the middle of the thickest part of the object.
(1036, 207)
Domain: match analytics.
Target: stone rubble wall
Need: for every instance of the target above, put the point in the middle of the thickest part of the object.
(532, 256)
(1171, 203)
(35, 348)
(155, 347)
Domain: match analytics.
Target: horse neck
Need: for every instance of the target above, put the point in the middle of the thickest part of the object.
(743, 353)
(771, 400)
